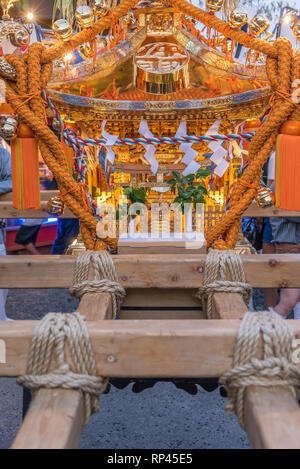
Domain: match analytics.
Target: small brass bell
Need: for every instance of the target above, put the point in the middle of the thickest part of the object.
(8, 126)
(101, 7)
(55, 206)
(77, 247)
(214, 5)
(265, 197)
(62, 29)
(258, 25)
(237, 18)
(85, 16)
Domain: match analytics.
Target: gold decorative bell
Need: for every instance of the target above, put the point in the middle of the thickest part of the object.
(265, 197)
(237, 18)
(258, 25)
(62, 29)
(85, 16)
(296, 30)
(55, 206)
(8, 127)
(77, 247)
(214, 5)
(101, 7)
(8, 122)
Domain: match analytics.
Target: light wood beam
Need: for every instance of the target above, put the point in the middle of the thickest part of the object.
(149, 271)
(142, 348)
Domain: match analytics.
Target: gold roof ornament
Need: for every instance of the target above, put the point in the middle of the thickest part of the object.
(214, 5)
(158, 70)
(237, 18)
(85, 16)
(62, 29)
(161, 68)
(258, 25)
(101, 7)
(77, 247)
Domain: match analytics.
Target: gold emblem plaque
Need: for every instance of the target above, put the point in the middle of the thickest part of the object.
(161, 68)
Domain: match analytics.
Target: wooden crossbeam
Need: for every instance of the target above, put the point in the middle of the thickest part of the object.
(7, 210)
(142, 348)
(148, 271)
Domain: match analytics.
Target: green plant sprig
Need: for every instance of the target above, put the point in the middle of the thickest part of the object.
(190, 189)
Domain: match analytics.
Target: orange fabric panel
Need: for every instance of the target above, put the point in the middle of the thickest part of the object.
(288, 172)
(25, 174)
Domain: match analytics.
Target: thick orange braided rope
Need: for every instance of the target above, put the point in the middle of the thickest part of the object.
(32, 114)
(287, 68)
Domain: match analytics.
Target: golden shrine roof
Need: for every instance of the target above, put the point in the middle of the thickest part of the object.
(122, 79)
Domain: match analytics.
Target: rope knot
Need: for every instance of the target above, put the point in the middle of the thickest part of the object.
(49, 339)
(282, 95)
(274, 369)
(105, 278)
(220, 263)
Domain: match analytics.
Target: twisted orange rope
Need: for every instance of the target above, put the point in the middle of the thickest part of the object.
(33, 71)
(28, 97)
(283, 95)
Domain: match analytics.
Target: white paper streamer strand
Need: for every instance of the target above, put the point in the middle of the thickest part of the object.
(150, 149)
(110, 142)
(189, 153)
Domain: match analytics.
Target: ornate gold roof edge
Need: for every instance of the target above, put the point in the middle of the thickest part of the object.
(201, 52)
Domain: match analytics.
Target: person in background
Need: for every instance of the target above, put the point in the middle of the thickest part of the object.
(5, 186)
(286, 234)
(28, 233)
(67, 232)
(67, 228)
